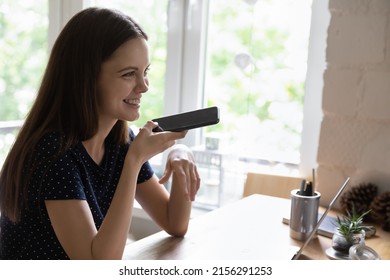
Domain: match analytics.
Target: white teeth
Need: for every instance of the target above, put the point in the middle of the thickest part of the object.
(132, 101)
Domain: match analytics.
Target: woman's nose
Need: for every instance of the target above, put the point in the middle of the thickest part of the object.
(142, 85)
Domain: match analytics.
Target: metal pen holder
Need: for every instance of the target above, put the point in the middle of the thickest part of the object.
(304, 214)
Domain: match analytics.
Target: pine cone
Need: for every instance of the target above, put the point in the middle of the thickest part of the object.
(359, 198)
(380, 207)
(386, 225)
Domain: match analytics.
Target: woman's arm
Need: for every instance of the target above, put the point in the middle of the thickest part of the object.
(75, 229)
(172, 212)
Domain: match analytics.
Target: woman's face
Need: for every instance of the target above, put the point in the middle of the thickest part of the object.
(122, 81)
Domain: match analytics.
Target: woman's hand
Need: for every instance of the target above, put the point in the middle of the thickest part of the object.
(148, 143)
(181, 163)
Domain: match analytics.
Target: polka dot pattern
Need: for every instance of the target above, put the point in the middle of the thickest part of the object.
(72, 175)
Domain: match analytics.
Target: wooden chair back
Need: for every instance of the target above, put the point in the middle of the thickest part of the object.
(272, 185)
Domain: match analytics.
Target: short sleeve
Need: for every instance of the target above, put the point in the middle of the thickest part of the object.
(145, 173)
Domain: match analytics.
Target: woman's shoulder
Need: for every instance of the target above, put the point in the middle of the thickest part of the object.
(50, 141)
(50, 146)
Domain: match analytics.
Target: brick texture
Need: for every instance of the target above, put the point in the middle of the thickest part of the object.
(355, 131)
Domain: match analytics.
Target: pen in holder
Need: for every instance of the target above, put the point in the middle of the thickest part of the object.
(304, 211)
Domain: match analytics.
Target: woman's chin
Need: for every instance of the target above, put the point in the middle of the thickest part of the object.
(132, 117)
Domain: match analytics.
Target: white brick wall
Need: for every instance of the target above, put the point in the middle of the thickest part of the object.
(355, 131)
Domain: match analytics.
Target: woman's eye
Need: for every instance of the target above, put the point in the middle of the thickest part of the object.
(129, 74)
(146, 72)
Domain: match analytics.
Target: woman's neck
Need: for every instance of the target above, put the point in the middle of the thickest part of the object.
(95, 148)
(95, 145)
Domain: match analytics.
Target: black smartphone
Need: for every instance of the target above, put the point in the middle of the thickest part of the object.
(188, 120)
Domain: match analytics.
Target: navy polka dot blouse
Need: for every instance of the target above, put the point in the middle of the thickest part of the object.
(73, 175)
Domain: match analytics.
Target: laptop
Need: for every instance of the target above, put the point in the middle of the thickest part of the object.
(314, 231)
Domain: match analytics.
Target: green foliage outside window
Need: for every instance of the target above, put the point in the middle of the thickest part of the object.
(261, 95)
(23, 55)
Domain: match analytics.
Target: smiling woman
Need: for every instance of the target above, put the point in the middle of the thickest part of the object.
(77, 175)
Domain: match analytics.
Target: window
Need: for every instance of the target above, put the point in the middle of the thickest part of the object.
(249, 58)
(255, 71)
(23, 56)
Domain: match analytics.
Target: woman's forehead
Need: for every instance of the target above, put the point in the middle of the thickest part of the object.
(133, 50)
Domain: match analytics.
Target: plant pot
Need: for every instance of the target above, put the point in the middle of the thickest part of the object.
(341, 243)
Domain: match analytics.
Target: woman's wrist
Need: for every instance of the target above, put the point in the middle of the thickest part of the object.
(133, 160)
(178, 149)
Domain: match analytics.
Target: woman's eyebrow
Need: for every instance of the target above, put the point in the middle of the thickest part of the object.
(131, 68)
(128, 68)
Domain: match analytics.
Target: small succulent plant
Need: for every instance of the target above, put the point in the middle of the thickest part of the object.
(352, 223)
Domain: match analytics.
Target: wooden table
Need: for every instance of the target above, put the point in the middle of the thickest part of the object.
(250, 228)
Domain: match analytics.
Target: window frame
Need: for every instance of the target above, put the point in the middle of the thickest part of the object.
(187, 24)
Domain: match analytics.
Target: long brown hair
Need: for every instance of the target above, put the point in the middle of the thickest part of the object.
(66, 100)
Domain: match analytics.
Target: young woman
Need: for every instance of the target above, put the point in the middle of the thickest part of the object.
(68, 185)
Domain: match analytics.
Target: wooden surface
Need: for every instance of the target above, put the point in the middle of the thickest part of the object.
(272, 185)
(251, 228)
